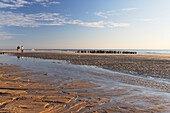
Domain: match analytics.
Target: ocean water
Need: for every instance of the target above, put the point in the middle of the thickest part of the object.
(139, 51)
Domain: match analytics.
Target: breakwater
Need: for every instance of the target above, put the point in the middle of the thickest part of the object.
(103, 51)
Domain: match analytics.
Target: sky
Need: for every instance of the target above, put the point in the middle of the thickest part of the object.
(85, 24)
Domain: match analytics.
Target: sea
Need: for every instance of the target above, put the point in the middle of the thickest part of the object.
(139, 51)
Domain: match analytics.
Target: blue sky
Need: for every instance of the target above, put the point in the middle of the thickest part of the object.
(85, 24)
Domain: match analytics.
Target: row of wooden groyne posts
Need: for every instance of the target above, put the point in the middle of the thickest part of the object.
(102, 51)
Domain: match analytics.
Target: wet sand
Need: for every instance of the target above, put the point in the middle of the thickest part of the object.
(140, 64)
(19, 92)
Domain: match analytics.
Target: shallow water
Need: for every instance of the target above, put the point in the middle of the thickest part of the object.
(109, 81)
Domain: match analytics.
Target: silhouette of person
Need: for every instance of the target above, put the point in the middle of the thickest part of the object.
(18, 48)
(22, 49)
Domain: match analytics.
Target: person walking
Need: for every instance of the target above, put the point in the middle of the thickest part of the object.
(22, 49)
(18, 48)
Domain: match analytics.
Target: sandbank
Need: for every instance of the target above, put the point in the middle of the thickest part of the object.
(154, 65)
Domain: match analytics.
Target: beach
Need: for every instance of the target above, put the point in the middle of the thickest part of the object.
(107, 82)
(155, 65)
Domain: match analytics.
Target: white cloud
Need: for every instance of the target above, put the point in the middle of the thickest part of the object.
(41, 0)
(1, 27)
(46, 3)
(146, 20)
(48, 19)
(111, 11)
(30, 20)
(9, 34)
(16, 1)
(128, 9)
(101, 14)
(4, 5)
(54, 2)
(72, 22)
(5, 37)
(13, 4)
(99, 24)
(113, 24)
(106, 14)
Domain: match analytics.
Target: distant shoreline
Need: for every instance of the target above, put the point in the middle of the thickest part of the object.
(138, 51)
(71, 52)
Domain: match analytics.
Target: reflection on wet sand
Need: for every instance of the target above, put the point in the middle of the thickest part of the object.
(20, 57)
(63, 87)
(20, 93)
